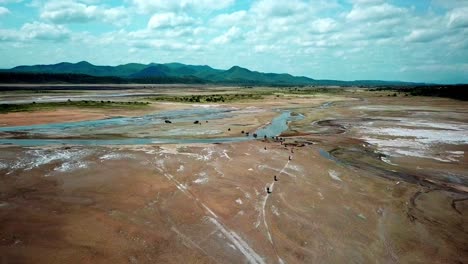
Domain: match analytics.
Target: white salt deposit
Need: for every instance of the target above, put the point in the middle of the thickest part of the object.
(38, 157)
(416, 138)
(181, 168)
(274, 210)
(386, 160)
(115, 156)
(203, 178)
(71, 166)
(334, 175)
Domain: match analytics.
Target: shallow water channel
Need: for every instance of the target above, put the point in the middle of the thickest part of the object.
(103, 126)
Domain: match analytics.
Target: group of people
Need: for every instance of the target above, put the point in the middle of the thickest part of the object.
(281, 140)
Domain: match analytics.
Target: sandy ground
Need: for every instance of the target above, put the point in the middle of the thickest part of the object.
(343, 194)
(72, 114)
(45, 117)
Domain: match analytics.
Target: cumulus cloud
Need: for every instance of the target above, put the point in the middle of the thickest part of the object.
(372, 10)
(69, 11)
(170, 20)
(35, 31)
(43, 31)
(10, 1)
(424, 35)
(4, 11)
(272, 8)
(151, 6)
(229, 19)
(449, 4)
(166, 45)
(323, 25)
(458, 18)
(234, 33)
(8, 35)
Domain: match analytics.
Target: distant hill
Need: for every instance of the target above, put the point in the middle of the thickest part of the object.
(83, 67)
(72, 78)
(170, 72)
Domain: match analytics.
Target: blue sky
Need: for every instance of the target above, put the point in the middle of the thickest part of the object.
(420, 40)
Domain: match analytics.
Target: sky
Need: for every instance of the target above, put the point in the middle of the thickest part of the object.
(407, 40)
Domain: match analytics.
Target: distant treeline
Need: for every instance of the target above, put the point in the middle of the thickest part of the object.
(209, 98)
(74, 78)
(229, 77)
(58, 78)
(459, 92)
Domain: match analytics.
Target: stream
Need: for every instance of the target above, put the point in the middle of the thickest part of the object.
(103, 126)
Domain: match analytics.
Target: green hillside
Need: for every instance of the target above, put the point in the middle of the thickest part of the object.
(170, 73)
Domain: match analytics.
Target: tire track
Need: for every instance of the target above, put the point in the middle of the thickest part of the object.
(239, 243)
(272, 185)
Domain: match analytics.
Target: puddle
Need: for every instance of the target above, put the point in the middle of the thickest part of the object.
(328, 156)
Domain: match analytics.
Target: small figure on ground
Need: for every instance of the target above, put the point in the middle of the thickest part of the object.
(268, 190)
(290, 158)
(275, 178)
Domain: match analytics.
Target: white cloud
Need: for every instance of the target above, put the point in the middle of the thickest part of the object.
(117, 16)
(169, 20)
(69, 11)
(234, 33)
(323, 25)
(265, 48)
(230, 19)
(151, 6)
(424, 35)
(374, 12)
(8, 35)
(43, 31)
(272, 8)
(4, 11)
(367, 2)
(458, 18)
(449, 4)
(35, 31)
(460, 67)
(167, 45)
(10, 1)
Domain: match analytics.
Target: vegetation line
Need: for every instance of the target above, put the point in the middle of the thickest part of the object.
(7, 108)
(210, 98)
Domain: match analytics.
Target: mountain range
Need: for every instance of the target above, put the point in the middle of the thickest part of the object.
(165, 73)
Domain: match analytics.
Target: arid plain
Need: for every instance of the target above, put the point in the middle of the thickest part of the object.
(354, 176)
